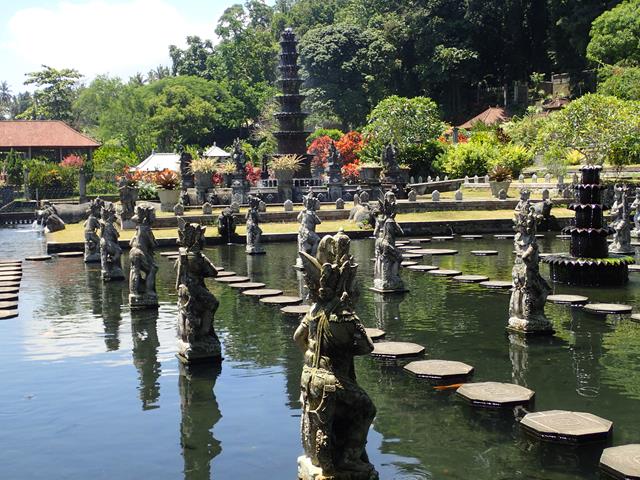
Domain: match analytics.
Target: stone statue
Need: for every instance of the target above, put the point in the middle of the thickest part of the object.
(227, 224)
(110, 251)
(308, 239)
(530, 290)
(264, 167)
(178, 209)
(254, 232)
(142, 274)
(391, 169)
(635, 208)
(91, 227)
(197, 340)
(336, 411)
(386, 277)
(362, 213)
(620, 214)
(238, 157)
(48, 217)
(128, 197)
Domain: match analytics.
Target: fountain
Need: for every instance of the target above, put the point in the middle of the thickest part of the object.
(589, 262)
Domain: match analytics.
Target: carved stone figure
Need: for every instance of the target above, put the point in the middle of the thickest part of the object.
(530, 290)
(635, 208)
(336, 411)
(238, 157)
(391, 169)
(207, 208)
(178, 209)
(110, 251)
(227, 224)
(264, 167)
(413, 195)
(340, 204)
(91, 227)
(142, 273)
(197, 339)
(386, 276)
(254, 232)
(620, 214)
(308, 239)
(48, 217)
(128, 197)
(362, 213)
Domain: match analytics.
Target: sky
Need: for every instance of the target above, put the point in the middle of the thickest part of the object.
(116, 37)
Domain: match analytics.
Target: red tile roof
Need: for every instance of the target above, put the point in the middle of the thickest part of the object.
(490, 116)
(41, 134)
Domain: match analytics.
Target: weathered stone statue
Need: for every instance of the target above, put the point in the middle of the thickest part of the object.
(91, 227)
(264, 167)
(254, 232)
(620, 221)
(635, 208)
(530, 290)
(238, 156)
(308, 239)
(49, 219)
(197, 339)
(142, 274)
(227, 224)
(361, 213)
(386, 276)
(128, 198)
(110, 251)
(336, 411)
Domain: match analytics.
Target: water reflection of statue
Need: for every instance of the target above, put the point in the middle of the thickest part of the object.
(128, 197)
(91, 227)
(200, 413)
(254, 232)
(142, 274)
(620, 215)
(635, 208)
(197, 339)
(308, 219)
(388, 256)
(336, 411)
(145, 343)
(110, 251)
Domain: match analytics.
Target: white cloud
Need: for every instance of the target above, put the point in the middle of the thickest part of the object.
(100, 37)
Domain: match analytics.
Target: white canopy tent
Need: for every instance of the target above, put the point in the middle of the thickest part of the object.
(159, 161)
(215, 152)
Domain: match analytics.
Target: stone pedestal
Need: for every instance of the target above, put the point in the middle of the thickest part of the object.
(205, 350)
(139, 302)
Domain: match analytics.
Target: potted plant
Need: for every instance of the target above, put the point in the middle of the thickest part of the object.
(226, 169)
(168, 183)
(203, 170)
(285, 166)
(499, 179)
(370, 171)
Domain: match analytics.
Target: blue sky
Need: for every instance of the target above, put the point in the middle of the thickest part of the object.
(98, 36)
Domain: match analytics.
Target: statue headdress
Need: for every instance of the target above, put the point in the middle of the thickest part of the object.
(190, 235)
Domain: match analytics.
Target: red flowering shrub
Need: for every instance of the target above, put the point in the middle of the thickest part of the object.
(319, 148)
(351, 171)
(72, 161)
(217, 178)
(350, 145)
(252, 173)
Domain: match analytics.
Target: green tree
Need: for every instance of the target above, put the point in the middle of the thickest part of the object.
(6, 98)
(621, 82)
(54, 95)
(615, 35)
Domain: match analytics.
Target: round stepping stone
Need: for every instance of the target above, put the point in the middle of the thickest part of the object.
(169, 254)
(471, 278)
(232, 279)
(442, 238)
(484, 253)
(439, 371)
(567, 299)
(5, 314)
(419, 240)
(262, 292)
(543, 255)
(412, 255)
(408, 263)
(396, 350)
(375, 334)
(9, 289)
(495, 394)
(471, 237)
(496, 284)
(38, 258)
(608, 308)
(634, 268)
(281, 300)
(8, 305)
(539, 235)
(422, 268)
(247, 285)
(6, 261)
(445, 273)
(8, 296)
(402, 242)
(566, 427)
(296, 309)
(435, 251)
(622, 462)
(9, 268)
(225, 274)
(504, 236)
(71, 254)
(407, 247)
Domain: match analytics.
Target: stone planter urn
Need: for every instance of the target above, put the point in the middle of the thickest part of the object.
(370, 173)
(497, 186)
(204, 180)
(168, 199)
(285, 183)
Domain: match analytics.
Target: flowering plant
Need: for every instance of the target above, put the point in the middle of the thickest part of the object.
(289, 163)
(217, 178)
(351, 171)
(167, 179)
(350, 145)
(319, 148)
(252, 173)
(72, 161)
(227, 168)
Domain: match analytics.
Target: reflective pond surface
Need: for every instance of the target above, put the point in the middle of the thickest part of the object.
(92, 390)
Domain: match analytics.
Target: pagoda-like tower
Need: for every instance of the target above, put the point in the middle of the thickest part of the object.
(291, 136)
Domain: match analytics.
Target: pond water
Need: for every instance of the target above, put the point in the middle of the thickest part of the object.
(92, 390)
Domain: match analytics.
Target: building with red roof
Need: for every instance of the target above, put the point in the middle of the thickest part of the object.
(491, 116)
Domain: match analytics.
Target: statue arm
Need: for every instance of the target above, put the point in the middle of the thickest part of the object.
(301, 335)
(362, 344)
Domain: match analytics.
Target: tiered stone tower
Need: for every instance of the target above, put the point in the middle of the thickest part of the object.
(291, 136)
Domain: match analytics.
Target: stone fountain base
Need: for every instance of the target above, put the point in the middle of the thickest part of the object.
(589, 272)
(532, 326)
(139, 302)
(308, 471)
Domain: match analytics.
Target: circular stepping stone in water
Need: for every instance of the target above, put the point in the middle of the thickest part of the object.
(396, 350)
(495, 394)
(408, 263)
(412, 255)
(5, 314)
(422, 268)
(296, 310)
(407, 247)
(419, 240)
(539, 235)
(445, 273)
(484, 253)
(442, 238)
(5, 261)
(71, 254)
(608, 308)
(169, 254)
(504, 236)
(471, 237)
(567, 299)
(566, 427)
(634, 268)
(636, 317)
(496, 284)
(542, 255)
(232, 279)
(435, 251)
(439, 371)
(622, 462)
(9, 266)
(9, 289)
(281, 300)
(262, 292)
(471, 278)
(8, 305)
(9, 296)
(38, 258)
(247, 285)
(375, 334)
(224, 274)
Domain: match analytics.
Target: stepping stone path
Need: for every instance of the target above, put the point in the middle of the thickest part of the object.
(608, 308)
(71, 254)
(496, 284)
(232, 279)
(622, 462)
(419, 240)
(281, 300)
(495, 394)
(412, 255)
(439, 371)
(224, 274)
(484, 253)
(262, 292)
(169, 254)
(471, 278)
(422, 268)
(408, 263)
(471, 237)
(566, 427)
(8, 296)
(10, 278)
(636, 317)
(296, 310)
(38, 258)
(445, 273)
(564, 237)
(10, 284)
(634, 268)
(6, 314)
(8, 305)
(247, 285)
(402, 243)
(9, 289)
(397, 350)
(567, 299)
(375, 334)
(408, 247)
(435, 251)
(504, 236)
(443, 238)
